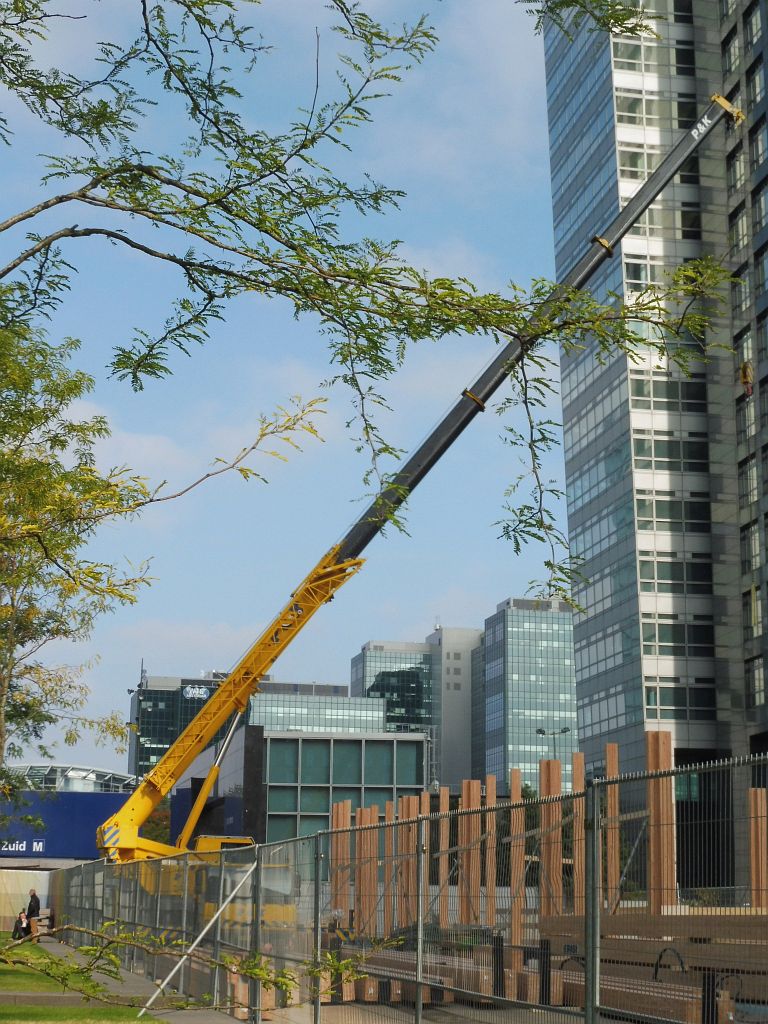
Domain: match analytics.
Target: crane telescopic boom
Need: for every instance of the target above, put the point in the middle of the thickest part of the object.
(118, 838)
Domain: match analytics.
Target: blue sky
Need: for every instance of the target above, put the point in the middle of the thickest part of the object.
(465, 137)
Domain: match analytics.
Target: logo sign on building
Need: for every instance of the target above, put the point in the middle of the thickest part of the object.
(20, 846)
(196, 692)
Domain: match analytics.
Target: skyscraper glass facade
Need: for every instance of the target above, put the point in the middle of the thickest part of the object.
(528, 689)
(279, 713)
(407, 676)
(163, 706)
(663, 470)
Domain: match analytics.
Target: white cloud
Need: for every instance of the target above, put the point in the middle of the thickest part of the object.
(455, 257)
(475, 109)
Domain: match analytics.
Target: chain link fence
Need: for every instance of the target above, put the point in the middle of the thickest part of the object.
(641, 898)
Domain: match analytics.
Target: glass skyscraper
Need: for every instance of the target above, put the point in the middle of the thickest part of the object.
(524, 699)
(667, 474)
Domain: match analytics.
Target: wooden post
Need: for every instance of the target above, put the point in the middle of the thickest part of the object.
(425, 809)
(516, 869)
(401, 865)
(612, 828)
(461, 856)
(551, 842)
(758, 848)
(474, 859)
(579, 782)
(654, 816)
(412, 836)
(334, 855)
(372, 872)
(668, 831)
(443, 861)
(490, 850)
(661, 823)
(344, 821)
(389, 860)
(359, 873)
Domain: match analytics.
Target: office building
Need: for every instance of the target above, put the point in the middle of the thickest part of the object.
(523, 692)
(667, 474)
(278, 785)
(162, 707)
(427, 687)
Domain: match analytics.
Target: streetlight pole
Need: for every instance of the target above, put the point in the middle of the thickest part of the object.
(554, 733)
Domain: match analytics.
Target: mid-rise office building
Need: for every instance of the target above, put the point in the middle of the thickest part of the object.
(667, 473)
(427, 687)
(279, 785)
(523, 691)
(162, 707)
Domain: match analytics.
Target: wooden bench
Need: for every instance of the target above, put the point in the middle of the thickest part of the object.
(680, 948)
(679, 1002)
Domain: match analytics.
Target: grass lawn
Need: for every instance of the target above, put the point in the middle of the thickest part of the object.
(89, 1014)
(24, 979)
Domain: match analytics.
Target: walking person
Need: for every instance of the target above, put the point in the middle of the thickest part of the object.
(33, 912)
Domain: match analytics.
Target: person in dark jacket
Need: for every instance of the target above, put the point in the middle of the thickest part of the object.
(20, 928)
(33, 912)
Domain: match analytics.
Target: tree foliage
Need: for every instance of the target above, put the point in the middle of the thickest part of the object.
(53, 498)
(228, 205)
(155, 152)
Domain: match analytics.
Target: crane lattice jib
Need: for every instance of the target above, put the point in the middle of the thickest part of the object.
(118, 837)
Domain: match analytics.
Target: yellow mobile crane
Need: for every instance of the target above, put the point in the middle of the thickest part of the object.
(119, 837)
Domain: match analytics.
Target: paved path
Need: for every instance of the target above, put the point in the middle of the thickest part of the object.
(136, 989)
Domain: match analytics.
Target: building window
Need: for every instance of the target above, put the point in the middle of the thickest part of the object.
(727, 7)
(734, 168)
(734, 98)
(663, 576)
(749, 544)
(683, 12)
(755, 84)
(761, 270)
(746, 419)
(669, 454)
(737, 228)
(755, 682)
(752, 613)
(635, 107)
(753, 26)
(743, 352)
(634, 55)
(642, 271)
(687, 111)
(637, 162)
(730, 50)
(650, 224)
(678, 639)
(689, 172)
(685, 59)
(760, 206)
(758, 144)
(673, 516)
(690, 221)
(741, 297)
(747, 475)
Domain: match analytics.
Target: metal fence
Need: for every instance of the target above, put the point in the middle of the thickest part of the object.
(642, 898)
